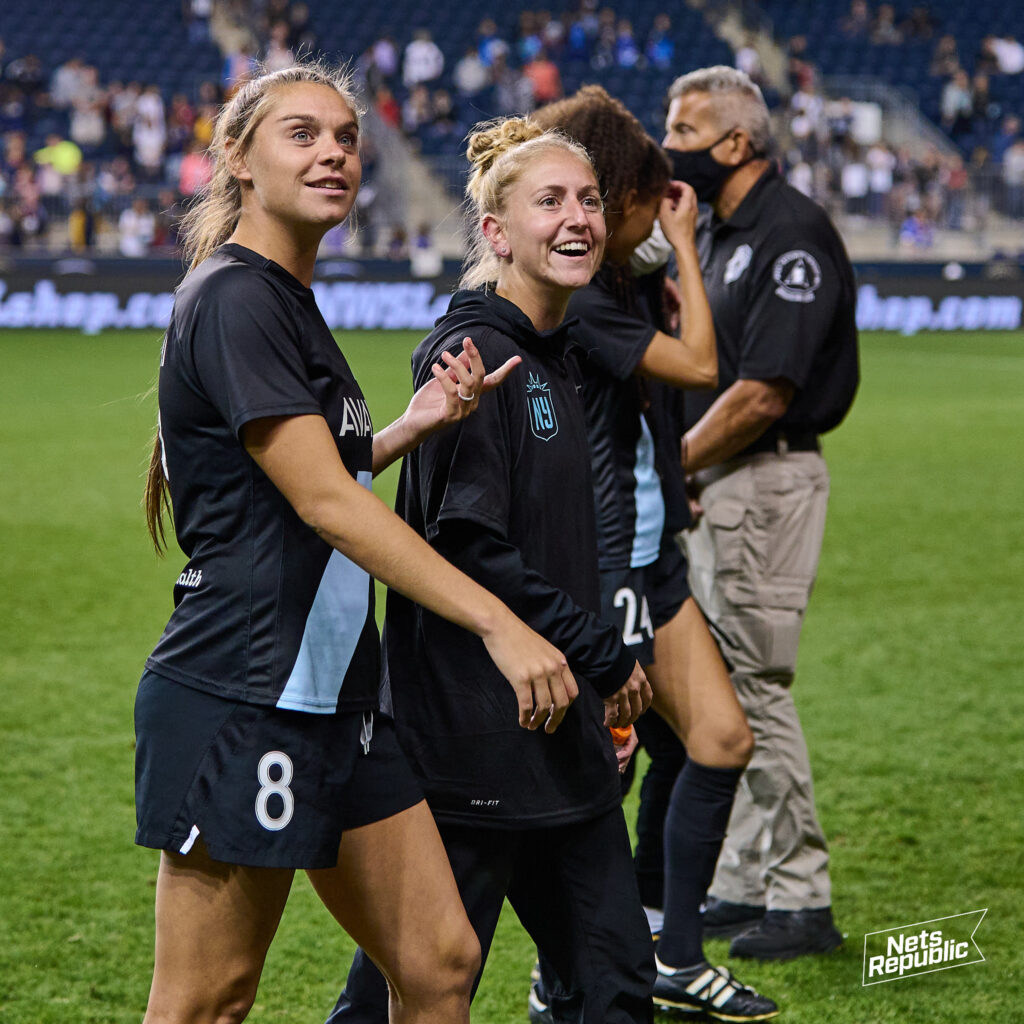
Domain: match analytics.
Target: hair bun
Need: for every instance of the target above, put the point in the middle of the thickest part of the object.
(492, 140)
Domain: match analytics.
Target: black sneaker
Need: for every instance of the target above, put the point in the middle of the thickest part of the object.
(723, 920)
(540, 1011)
(787, 934)
(712, 991)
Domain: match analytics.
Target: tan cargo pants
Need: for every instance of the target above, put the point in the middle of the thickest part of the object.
(753, 560)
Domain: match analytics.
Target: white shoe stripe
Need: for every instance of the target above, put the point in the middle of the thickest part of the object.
(702, 981)
(725, 995)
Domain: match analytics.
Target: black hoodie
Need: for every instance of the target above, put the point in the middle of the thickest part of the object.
(507, 496)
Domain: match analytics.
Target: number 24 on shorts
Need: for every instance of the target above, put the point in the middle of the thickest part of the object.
(632, 630)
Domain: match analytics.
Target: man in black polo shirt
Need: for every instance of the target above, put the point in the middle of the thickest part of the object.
(782, 294)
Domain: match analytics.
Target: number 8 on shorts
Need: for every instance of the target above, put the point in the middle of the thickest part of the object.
(270, 787)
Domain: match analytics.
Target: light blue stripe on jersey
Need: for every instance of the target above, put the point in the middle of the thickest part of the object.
(333, 627)
(650, 505)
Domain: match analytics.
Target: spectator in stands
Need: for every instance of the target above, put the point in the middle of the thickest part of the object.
(748, 60)
(387, 107)
(946, 58)
(423, 60)
(883, 29)
(416, 110)
(302, 37)
(513, 93)
(27, 73)
(87, 125)
(204, 123)
(8, 230)
(58, 161)
(121, 102)
(529, 43)
(278, 54)
(471, 75)
(443, 124)
(1003, 55)
(984, 110)
(577, 43)
(196, 14)
(916, 232)
(66, 82)
(957, 104)
(490, 45)
(855, 182)
(81, 227)
(552, 34)
(15, 154)
(398, 243)
(954, 182)
(385, 57)
(660, 48)
(603, 50)
(135, 228)
(881, 163)
(856, 24)
(799, 71)
(544, 78)
(919, 24)
(27, 208)
(1013, 179)
(149, 134)
(195, 170)
(115, 179)
(801, 177)
(1009, 133)
(840, 121)
(627, 52)
(239, 66)
(425, 259)
(181, 119)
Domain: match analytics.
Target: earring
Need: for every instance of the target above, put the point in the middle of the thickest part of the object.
(504, 251)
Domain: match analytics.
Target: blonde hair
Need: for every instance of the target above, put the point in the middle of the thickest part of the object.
(499, 152)
(210, 221)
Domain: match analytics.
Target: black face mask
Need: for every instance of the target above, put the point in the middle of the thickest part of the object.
(701, 171)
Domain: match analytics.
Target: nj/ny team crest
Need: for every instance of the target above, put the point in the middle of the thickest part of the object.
(543, 421)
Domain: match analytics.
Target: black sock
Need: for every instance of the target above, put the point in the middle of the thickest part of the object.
(667, 756)
(698, 814)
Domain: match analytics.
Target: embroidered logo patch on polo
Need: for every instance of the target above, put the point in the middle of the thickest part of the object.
(797, 275)
(738, 262)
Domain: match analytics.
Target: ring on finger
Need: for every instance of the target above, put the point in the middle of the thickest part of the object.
(465, 398)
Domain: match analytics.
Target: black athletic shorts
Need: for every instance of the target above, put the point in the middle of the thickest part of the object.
(639, 601)
(263, 786)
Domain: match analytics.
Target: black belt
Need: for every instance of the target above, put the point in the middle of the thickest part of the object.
(778, 440)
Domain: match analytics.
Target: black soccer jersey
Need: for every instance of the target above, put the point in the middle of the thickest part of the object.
(783, 298)
(265, 611)
(630, 506)
(507, 496)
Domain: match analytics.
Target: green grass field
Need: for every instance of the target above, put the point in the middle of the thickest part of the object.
(910, 686)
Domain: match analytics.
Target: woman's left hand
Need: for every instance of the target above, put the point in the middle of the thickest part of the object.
(454, 392)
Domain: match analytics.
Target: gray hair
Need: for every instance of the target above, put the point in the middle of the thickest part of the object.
(738, 101)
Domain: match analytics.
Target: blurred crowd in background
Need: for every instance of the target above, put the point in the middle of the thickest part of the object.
(82, 156)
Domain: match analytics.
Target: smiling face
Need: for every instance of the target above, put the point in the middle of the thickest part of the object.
(553, 227)
(302, 170)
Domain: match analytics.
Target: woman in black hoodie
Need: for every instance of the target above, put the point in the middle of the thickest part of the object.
(507, 495)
